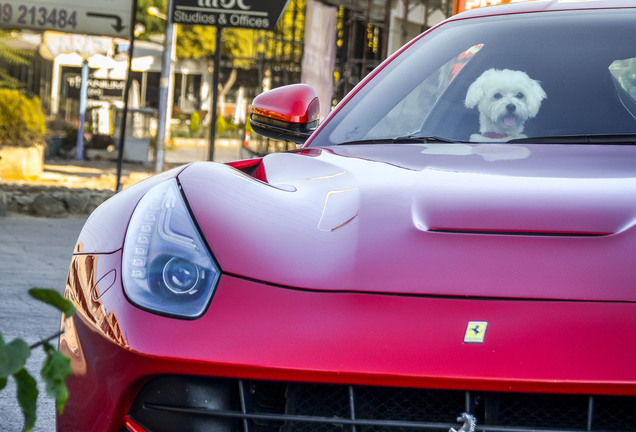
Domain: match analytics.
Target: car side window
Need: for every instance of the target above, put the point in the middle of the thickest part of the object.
(624, 74)
(624, 71)
(407, 116)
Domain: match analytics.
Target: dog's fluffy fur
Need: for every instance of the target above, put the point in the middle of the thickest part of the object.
(505, 100)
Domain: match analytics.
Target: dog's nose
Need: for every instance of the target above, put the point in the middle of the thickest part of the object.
(511, 108)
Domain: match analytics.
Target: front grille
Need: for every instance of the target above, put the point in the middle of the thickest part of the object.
(197, 404)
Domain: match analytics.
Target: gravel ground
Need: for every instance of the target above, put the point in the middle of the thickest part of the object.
(94, 174)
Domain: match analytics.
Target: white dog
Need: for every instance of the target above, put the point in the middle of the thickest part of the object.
(505, 100)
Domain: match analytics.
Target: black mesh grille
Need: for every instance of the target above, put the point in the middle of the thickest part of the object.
(540, 411)
(613, 413)
(326, 401)
(196, 404)
(407, 404)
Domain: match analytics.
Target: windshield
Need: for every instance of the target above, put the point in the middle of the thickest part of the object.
(500, 79)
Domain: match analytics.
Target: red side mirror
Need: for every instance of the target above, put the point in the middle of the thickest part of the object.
(288, 113)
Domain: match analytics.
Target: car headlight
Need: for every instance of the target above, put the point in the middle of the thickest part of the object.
(166, 266)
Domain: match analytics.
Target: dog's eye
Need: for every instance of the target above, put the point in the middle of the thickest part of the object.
(520, 95)
(497, 96)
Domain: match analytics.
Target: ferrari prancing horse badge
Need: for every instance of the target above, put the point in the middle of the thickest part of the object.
(475, 332)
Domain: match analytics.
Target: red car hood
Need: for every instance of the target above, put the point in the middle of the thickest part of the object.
(504, 221)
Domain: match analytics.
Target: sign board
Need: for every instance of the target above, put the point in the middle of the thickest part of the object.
(464, 5)
(103, 89)
(104, 17)
(250, 14)
(55, 43)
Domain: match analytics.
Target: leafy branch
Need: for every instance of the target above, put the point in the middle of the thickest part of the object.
(55, 368)
(11, 56)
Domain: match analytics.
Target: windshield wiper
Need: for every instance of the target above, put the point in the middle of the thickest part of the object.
(422, 139)
(626, 139)
(408, 139)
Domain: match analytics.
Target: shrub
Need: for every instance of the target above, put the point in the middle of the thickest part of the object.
(221, 125)
(195, 121)
(22, 121)
(224, 128)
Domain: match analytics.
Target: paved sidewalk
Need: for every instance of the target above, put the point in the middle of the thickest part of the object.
(34, 252)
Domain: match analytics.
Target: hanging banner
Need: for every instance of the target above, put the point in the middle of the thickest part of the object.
(250, 14)
(319, 54)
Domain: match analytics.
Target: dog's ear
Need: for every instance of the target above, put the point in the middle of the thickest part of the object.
(534, 96)
(474, 94)
(477, 90)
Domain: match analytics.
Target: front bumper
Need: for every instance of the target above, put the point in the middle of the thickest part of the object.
(170, 403)
(272, 337)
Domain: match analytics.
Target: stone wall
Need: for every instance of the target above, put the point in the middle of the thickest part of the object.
(47, 201)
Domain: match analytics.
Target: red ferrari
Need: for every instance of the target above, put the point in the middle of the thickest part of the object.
(452, 248)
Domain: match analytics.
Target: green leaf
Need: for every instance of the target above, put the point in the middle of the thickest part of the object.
(13, 356)
(3, 383)
(27, 397)
(54, 299)
(55, 370)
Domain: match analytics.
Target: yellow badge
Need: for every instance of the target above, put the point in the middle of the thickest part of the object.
(475, 332)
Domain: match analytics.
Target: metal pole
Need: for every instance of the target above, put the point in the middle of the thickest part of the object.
(82, 111)
(165, 90)
(215, 90)
(124, 114)
(122, 133)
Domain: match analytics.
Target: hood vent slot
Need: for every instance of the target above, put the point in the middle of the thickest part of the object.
(517, 233)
